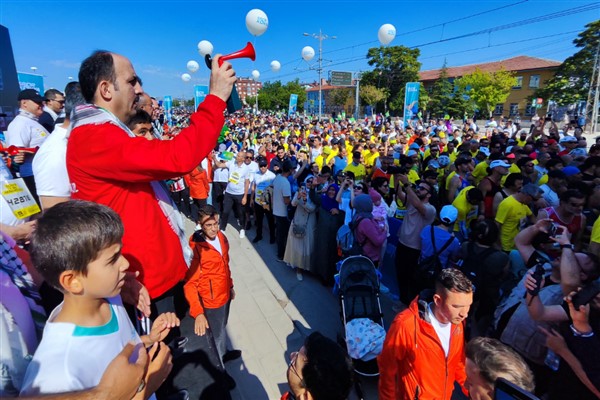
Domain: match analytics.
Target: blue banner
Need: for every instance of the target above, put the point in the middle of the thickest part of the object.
(31, 81)
(293, 104)
(200, 93)
(168, 105)
(411, 101)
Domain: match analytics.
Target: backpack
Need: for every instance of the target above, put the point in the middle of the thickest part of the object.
(472, 265)
(346, 240)
(430, 266)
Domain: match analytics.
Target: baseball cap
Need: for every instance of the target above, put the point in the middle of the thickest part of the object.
(578, 152)
(434, 164)
(511, 156)
(531, 189)
(30, 94)
(499, 163)
(448, 214)
(570, 170)
(443, 161)
(414, 146)
(551, 142)
(568, 139)
(411, 153)
(485, 151)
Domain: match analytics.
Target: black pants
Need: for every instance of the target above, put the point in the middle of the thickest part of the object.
(218, 191)
(167, 303)
(407, 260)
(233, 202)
(182, 201)
(282, 228)
(259, 212)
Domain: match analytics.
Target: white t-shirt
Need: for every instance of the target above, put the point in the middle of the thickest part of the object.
(238, 174)
(71, 358)
(443, 330)
(25, 132)
(216, 243)
(262, 181)
(50, 165)
(281, 189)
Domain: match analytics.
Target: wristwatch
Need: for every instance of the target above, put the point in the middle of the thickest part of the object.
(567, 246)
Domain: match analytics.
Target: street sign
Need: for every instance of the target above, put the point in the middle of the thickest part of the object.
(340, 78)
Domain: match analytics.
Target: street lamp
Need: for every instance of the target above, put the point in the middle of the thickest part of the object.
(33, 69)
(320, 37)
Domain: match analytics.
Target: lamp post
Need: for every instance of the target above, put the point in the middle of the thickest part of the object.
(33, 69)
(320, 37)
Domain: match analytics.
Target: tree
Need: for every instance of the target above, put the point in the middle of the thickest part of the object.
(371, 95)
(571, 82)
(486, 89)
(339, 97)
(395, 66)
(274, 95)
(441, 94)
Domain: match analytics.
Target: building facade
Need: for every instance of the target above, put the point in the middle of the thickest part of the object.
(531, 74)
(247, 87)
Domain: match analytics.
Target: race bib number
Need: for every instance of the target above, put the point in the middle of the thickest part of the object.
(234, 178)
(19, 199)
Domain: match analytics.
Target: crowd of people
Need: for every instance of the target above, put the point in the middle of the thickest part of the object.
(490, 233)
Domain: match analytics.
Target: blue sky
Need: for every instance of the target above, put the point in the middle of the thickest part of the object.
(160, 37)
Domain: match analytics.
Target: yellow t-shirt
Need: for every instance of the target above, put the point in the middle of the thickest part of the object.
(359, 171)
(512, 217)
(513, 169)
(466, 211)
(413, 176)
(480, 171)
(596, 231)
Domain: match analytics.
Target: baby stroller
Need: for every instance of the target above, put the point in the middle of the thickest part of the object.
(361, 312)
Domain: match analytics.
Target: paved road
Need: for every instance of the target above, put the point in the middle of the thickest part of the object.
(270, 317)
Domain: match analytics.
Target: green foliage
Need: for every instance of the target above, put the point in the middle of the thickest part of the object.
(441, 94)
(395, 66)
(371, 95)
(340, 96)
(274, 95)
(571, 82)
(486, 89)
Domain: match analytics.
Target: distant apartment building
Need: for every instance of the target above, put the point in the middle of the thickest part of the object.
(531, 74)
(247, 87)
(328, 106)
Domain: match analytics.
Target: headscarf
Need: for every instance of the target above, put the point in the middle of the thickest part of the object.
(363, 207)
(328, 203)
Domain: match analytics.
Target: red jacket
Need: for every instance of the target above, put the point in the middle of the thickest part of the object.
(208, 282)
(413, 357)
(107, 166)
(197, 181)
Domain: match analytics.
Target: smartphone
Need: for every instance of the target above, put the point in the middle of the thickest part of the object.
(504, 390)
(585, 295)
(538, 275)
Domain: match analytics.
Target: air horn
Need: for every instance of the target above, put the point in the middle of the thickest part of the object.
(233, 102)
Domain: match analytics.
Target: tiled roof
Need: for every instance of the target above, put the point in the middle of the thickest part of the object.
(520, 63)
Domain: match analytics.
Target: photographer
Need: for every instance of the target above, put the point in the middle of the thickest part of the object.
(345, 196)
(419, 214)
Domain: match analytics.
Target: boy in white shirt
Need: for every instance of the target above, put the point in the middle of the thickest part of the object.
(77, 248)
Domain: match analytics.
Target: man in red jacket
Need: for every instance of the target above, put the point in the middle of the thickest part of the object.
(424, 349)
(107, 164)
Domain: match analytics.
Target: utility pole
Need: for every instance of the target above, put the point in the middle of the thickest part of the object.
(357, 99)
(320, 37)
(591, 107)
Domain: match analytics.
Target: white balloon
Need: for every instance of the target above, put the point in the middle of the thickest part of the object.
(186, 77)
(257, 22)
(275, 66)
(255, 74)
(192, 66)
(386, 33)
(205, 47)
(308, 53)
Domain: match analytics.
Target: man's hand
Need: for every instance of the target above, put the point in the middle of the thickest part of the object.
(136, 294)
(244, 197)
(403, 178)
(162, 326)
(19, 158)
(159, 367)
(222, 78)
(21, 232)
(200, 325)
(554, 341)
(122, 378)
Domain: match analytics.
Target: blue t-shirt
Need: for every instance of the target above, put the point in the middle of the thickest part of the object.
(339, 164)
(441, 237)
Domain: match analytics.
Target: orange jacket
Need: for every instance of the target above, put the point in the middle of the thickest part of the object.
(208, 282)
(198, 183)
(413, 357)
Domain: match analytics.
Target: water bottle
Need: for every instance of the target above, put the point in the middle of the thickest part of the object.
(552, 360)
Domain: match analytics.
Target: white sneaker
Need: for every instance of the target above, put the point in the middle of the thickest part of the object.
(299, 275)
(242, 233)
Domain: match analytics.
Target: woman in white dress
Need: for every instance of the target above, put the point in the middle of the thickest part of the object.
(301, 236)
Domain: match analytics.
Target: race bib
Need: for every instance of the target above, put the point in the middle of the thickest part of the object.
(19, 199)
(234, 178)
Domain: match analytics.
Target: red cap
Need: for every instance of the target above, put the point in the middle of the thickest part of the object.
(551, 142)
(511, 156)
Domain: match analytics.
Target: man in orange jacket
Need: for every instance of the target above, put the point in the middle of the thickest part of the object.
(424, 349)
(209, 287)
